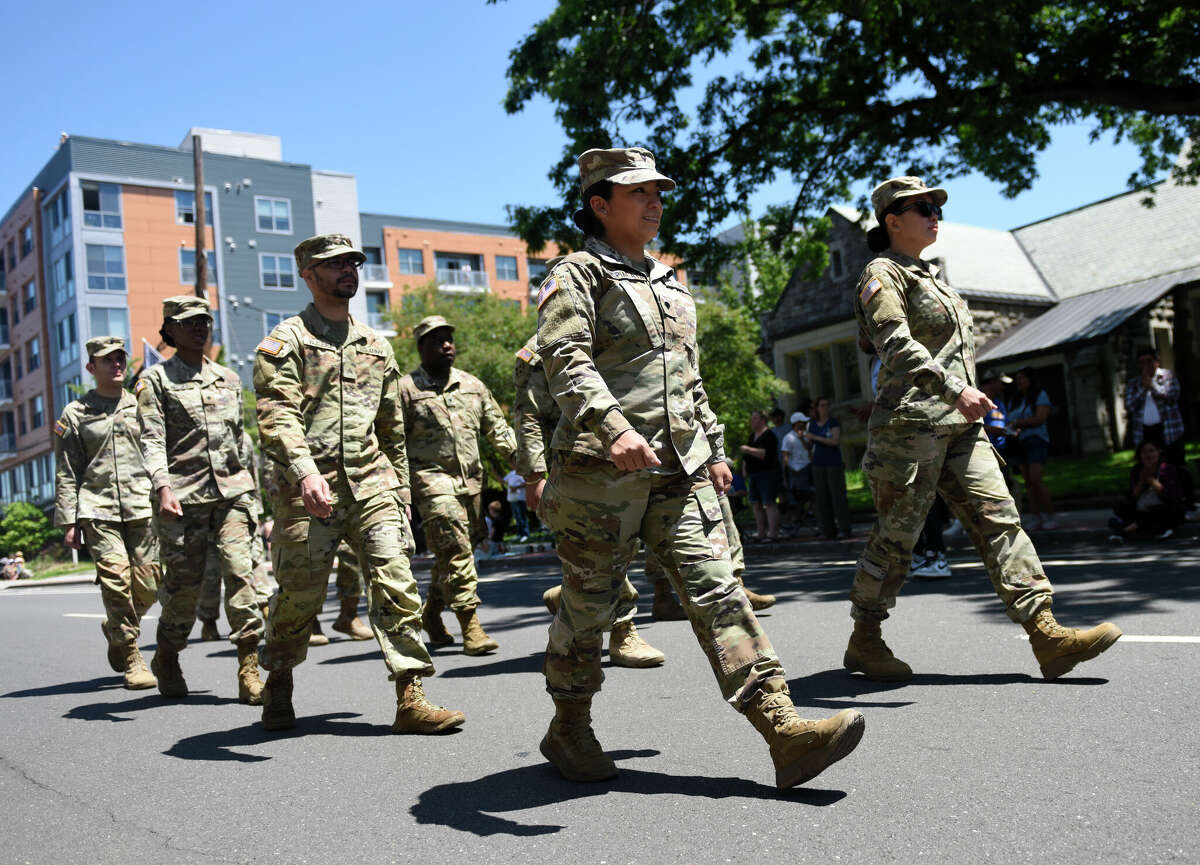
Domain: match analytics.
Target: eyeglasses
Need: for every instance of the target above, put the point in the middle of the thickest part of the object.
(342, 263)
(922, 207)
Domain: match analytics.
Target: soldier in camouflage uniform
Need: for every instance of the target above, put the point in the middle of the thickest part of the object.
(191, 417)
(445, 411)
(638, 452)
(330, 422)
(537, 415)
(102, 493)
(925, 437)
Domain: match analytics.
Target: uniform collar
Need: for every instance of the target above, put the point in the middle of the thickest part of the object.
(425, 381)
(318, 325)
(94, 399)
(916, 266)
(207, 372)
(650, 266)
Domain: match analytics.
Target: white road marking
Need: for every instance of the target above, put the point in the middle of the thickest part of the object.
(1143, 638)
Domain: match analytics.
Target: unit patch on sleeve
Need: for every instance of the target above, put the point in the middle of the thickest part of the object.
(60, 428)
(525, 355)
(270, 346)
(137, 388)
(869, 290)
(548, 288)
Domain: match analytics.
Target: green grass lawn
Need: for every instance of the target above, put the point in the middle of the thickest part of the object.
(45, 566)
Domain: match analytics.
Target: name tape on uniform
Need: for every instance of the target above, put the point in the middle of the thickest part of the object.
(869, 290)
(548, 288)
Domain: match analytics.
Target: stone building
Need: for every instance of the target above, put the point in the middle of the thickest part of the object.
(1073, 296)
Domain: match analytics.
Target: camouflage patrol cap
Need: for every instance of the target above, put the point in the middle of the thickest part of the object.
(324, 246)
(430, 322)
(620, 165)
(98, 346)
(891, 191)
(183, 306)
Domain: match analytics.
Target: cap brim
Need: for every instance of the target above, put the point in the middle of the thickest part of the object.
(191, 313)
(940, 196)
(340, 250)
(642, 175)
(102, 352)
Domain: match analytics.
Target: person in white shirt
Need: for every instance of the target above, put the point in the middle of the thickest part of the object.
(515, 484)
(797, 467)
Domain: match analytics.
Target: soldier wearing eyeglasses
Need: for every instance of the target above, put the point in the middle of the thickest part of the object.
(926, 437)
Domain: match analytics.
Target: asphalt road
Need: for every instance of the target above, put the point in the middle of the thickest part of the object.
(975, 760)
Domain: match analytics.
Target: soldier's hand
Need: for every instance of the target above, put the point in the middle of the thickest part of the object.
(632, 452)
(167, 503)
(533, 493)
(71, 538)
(318, 500)
(722, 477)
(973, 404)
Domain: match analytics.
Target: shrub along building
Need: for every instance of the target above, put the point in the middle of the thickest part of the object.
(1074, 296)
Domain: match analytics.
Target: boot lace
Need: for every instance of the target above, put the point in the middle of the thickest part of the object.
(779, 709)
(1050, 627)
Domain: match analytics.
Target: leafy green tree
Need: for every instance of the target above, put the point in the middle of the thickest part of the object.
(733, 94)
(24, 527)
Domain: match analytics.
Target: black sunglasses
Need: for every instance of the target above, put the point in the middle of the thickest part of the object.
(922, 207)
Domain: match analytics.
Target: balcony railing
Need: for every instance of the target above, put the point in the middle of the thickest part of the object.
(380, 321)
(463, 281)
(8, 445)
(376, 273)
(6, 391)
(39, 495)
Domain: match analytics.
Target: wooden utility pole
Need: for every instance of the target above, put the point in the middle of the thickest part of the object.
(200, 216)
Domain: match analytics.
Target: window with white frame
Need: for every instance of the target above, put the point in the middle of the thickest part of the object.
(506, 267)
(110, 321)
(37, 412)
(185, 207)
(105, 268)
(273, 215)
(58, 216)
(62, 279)
(410, 261)
(33, 355)
(277, 272)
(537, 270)
(187, 266)
(101, 204)
(272, 319)
(26, 239)
(29, 297)
(72, 389)
(68, 340)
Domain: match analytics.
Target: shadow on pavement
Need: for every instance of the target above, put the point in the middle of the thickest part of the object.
(832, 687)
(531, 663)
(110, 682)
(472, 806)
(152, 700)
(220, 744)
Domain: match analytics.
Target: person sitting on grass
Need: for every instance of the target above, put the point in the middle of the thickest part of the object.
(1154, 506)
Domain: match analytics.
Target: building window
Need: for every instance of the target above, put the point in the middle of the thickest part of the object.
(377, 309)
(3, 327)
(835, 263)
(105, 268)
(187, 266)
(17, 371)
(374, 254)
(29, 296)
(62, 278)
(847, 356)
(72, 389)
(277, 272)
(410, 261)
(185, 207)
(271, 320)
(12, 253)
(537, 270)
(460, 269)
(274, 215)
(111, 321)
(26, 239)
(506, 267)
(33, 355)
(58, 217)
(16, 312)
(101, 204)
(68, 340)
(37, 412)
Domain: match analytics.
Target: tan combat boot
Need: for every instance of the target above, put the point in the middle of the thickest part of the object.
(431, 620)
(208, 630)
(475, 641)
(165, 666)
(349, 623)
(571, 746)
(415, 714)
(552, 598)
(801, 749)
(137, 675)
(626, 648)
(1059, 649)
(757, 601)
(316, 637)
(278, 713)
(116, 654)
(250, 686)
(868, 654)
(666, 607)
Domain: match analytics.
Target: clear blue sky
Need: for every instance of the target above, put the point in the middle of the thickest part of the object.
(405, 95)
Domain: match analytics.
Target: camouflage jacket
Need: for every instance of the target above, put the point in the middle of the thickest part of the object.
(100, 470)
(444, 423)
(619, 347)
(192, 430)
(330, 409)
(923, 332)
(535, 411)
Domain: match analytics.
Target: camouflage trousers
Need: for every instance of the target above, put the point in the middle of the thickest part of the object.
(126, 557)
(737, 557)
(598, 512)
(302, 549)
(185, 542)
(453, 526)
(209, 606)
(349, 583)
(905, 467)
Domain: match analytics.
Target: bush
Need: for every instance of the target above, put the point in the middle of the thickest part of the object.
(24, 527)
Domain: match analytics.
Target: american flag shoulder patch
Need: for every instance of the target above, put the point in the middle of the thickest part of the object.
(869, 290)
(60, 428)
(525, 355)
(548, 288)
(270, 346)
(137, 388)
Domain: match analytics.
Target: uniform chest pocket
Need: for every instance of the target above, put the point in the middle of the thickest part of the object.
(679, 314)
(185, 402)
(930, 316)
(428, 415)
(223, 401)
(322, 365)
(626, 317)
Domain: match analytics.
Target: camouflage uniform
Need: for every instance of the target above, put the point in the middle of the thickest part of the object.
(618, 341)
(536, 414)
(327, 403)
(919, 444)
(191, 432)
(443, 423)
(102, 486)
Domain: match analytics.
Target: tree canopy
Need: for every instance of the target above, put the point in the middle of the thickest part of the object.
(731, 94)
